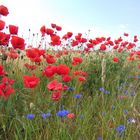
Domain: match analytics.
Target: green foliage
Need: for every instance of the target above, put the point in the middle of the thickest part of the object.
(97, 113)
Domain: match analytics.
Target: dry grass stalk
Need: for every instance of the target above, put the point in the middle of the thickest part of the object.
(103, 71)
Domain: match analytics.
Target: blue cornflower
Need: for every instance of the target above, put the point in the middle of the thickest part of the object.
(99, 138)
(106, 92)
(45, 115)
(102, 89)
(77, 96)
(62, 113)
(126, 92)
(131, 120)
(70, 89)
(30, 116)
(125, 111)
(120, 128)
(113, 107)
(138, 77)
(132, 94)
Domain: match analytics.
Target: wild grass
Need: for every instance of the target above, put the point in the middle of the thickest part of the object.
(110, 98)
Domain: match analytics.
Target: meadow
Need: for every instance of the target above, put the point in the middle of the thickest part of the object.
(69, 87)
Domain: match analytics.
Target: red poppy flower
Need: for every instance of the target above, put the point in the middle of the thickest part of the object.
(31, 81)
(80, 34)
(13, 29)
(66, 78)
(120, 39)
(110, 43)
(2, 73)
(108, 39)
(42, 52)
(69, 34)
(5, 87)
(77, 60)
(126, 34)
(94, 42)
(81, 78)
(2, 24)
(83, 40)
(78, 37)
(90, 45)
(86, 49)
(124, 43)
(71, 115)
(18, 42)
(49, 31)
(49, 71)
(116, 42)
(6, 90)
(138, 52)
(116, 47)
(54, 85)
(120, 49)
(43, 30)
(30, 67)
(130, 46)
(56, 96)
(98, 40)
(102, 47)
(80, 72)
(50, 59)
(83, 74)
(53, 25)
(58, 28)
(65, 37)
(4, 38)
(13, 55)
(58, 86)
(36, 59)
(62, 69)
(33, 53)
(6, 80)
(4, 10)
(65, 87)
(77, 72)
(55, 40)
(74, 43)
(115, 59)
(135, 39)
(65, 52)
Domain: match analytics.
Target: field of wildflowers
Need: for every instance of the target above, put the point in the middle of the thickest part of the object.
(68, 87)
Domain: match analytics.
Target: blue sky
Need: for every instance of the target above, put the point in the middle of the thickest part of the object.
(102, 17)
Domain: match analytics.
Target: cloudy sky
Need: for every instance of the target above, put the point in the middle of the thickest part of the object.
(102, 17)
